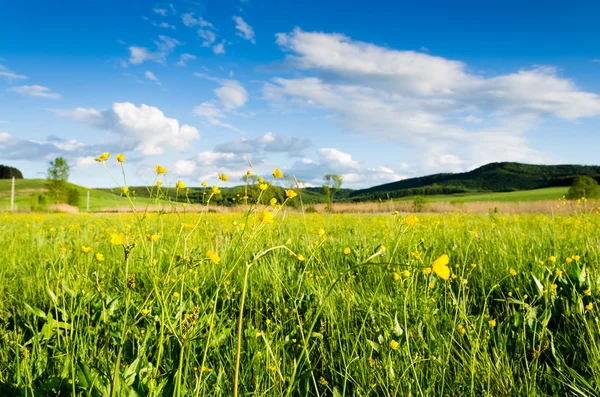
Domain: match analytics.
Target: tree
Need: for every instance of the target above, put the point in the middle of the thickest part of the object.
(583, 186)
(57, 176)
(332, 183)
(7, 172)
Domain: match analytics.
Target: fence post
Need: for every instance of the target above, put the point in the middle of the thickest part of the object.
(12, 195)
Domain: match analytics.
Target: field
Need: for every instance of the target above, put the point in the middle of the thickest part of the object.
(268, 303)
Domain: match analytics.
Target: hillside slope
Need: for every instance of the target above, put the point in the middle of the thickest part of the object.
(493, 177)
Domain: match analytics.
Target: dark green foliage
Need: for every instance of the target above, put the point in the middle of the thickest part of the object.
(419, 203)
(584, 186)
(494, 177)
(7, 172)
(73, 197)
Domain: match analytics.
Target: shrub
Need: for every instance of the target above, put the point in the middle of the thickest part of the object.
(583, 186)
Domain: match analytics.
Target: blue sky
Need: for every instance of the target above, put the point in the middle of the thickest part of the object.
(375, 93)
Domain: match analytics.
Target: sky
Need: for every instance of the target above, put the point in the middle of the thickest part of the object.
(375, 91)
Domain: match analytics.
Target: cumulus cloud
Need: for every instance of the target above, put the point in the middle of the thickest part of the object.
(219, 48)
(232, 94)
(417, 98)
(144, 129)
(244, 30)
(333, 161)
(36, 91)
(208, 37)
(14, 148)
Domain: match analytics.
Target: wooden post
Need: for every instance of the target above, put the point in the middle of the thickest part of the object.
(12, 195)
(88, 201)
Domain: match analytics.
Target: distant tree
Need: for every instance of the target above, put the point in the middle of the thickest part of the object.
(73, 197)
(7, 172)
(583, 186)
(56, 182)
(332, 183)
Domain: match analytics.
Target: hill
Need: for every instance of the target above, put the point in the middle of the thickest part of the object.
(28, 191)
(493, 177)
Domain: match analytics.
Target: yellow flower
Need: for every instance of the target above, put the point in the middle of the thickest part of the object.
(300, 257)
(576, 257)
(145, 312)
(153, 237)
(118, 239)
(266, 217)
(512, 272)
(395, 276)
(559, 272)
(263, 186)
(440, 267)
(213, 256)
(492, 323)
(215, 190)
(160, 170)
(554, 287)
(552, 259)
(103, 157)
(321, 231)
(277, 173)
(394, 345)
(411, 220)
(569, 260)
(159, 182)
(176, 294)
(587, 292)
(290, 194)
(461, 329)
(273, 201)
(427, 271)
(99, 257)
(347, 251)
(204, 184)
(180, 185)
(589, 307)
(261, 180)
(248, 173)
(473, 265)
(223, 177)
(120, 158)
(125, 190)
(418, 255)
(86, 250)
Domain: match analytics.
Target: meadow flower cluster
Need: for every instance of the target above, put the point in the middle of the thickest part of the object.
(188, 303)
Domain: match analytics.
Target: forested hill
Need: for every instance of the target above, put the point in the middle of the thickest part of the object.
(493, 177)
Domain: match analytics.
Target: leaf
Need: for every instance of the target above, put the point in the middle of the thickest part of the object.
(373, 345)
(35, 311)
(52, 295)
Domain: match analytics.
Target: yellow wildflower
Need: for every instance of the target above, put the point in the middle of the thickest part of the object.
(160, 170)
(103, 157)
(153, 237)
(440, 267)
(395, 276)
(290, 194)
(86, 250)
(552, 259)
(273, 201)
(277, 173)
(214, 257)
(512, 272)
(589, 307)
(300, 257)
(346, 251)
(223, 177)
(99, 257)
(492, 323)
(411, 220)
(263, 186)
(427, 271)
(120, 158)
(180, 185)
(266, 217)
(394, 345)
(118, 239)
(204, 184)
(215, 190)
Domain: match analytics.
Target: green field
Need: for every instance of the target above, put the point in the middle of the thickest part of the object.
(27, 191)
(272, 304)
(550, 193)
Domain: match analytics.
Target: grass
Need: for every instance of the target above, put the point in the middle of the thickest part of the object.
(550, 193)
(27, 191)
(268, 303)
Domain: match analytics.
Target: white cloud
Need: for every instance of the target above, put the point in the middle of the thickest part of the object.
(165, 25)
(267, 143)
(184, 167)
(334, 161)
(10, 76)
(244, 30)
(184, 58)
(232, 94)
(165, 46)
(150, 76)
(84, 161)
(36, 91)
(160, 11)
(190, 21)
(419, 99)
(208, 36)
(219, 48)
(144, 129)
(210, 111)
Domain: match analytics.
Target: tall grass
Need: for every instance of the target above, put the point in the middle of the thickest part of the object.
(225, 304)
